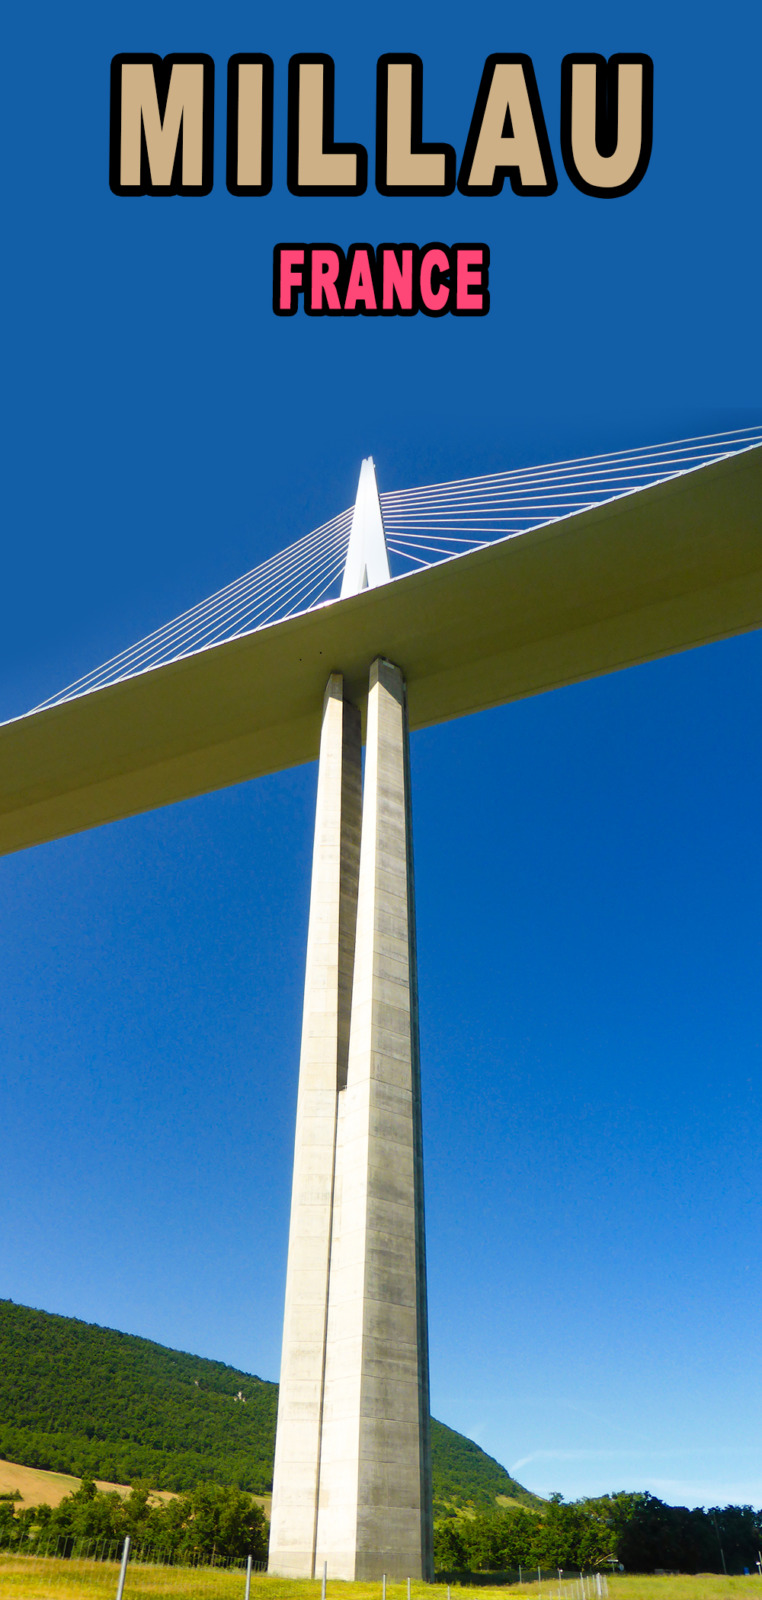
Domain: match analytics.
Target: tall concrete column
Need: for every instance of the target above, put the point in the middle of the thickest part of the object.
(323, 1067)
(374, 1511)
(352, 1480)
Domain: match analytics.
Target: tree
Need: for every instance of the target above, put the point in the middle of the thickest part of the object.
(449, 1545)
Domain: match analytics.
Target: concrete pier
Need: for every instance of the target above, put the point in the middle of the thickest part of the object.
(323, 1066)
(353, 1467)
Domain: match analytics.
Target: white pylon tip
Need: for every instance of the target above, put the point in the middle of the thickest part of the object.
(367, 563)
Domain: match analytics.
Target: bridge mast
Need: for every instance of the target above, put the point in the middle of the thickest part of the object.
(352, 1484)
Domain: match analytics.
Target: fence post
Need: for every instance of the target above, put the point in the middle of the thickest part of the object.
(325, 1580)
(383, 1587)
(408, 1589)
(248, 1577)
(123, 1568)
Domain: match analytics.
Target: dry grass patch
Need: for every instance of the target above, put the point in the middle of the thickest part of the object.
(39, 1488)
(43, 1488)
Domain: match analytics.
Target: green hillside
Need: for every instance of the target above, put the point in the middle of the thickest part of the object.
(86, 1400)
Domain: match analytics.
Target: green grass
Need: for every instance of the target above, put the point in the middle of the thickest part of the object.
(704, 1586)
(32, 1578)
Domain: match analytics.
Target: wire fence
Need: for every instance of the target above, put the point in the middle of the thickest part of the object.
(553, 1583)
(66, 1568)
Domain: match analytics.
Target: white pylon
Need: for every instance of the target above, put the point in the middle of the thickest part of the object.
(367, 563)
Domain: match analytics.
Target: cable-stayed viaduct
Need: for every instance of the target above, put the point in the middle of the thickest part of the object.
(586, 567)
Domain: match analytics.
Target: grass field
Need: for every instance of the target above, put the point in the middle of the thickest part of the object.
(42, 1488)
(29, 1578)
(39, 1488)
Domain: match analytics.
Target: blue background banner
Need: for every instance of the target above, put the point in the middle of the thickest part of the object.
(588, 867)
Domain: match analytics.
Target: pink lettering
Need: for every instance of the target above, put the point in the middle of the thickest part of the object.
(434, 299)
(469, 268)
(398, 280)
(360, 285)
(325, 271)
(289, 278)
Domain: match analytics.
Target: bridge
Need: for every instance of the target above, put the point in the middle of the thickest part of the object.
(412, 607)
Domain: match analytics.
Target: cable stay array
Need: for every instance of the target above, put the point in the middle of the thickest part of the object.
(295, 580)
(424, 525)
(445, 519)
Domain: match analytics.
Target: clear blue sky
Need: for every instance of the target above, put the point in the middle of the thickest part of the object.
(588, 862)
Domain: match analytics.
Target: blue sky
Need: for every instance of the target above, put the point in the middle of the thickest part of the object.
(588, 864)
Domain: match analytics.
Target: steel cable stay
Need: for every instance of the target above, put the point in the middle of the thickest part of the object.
(177, 632)
(265, 580)
(706, 447)
(567, 485)
(420, 520)
(264, 600)
(173, 638)
(535, 484)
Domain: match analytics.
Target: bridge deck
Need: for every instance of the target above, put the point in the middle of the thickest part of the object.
(660, 570)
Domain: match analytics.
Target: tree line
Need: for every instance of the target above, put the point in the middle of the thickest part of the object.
(211, 1519)
(637, 1530)
(123, 1461)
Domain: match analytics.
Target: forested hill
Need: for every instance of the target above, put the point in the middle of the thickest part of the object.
(86, 1400)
